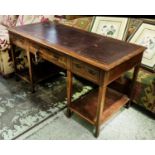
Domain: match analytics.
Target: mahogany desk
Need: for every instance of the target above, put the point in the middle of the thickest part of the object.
(98, 59)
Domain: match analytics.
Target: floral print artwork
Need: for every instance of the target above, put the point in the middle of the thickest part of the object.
(113, 27)
(145, 36)
(148, 40)
(108, 30)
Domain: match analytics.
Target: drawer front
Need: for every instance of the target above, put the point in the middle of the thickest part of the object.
(53, 56)
(85, 70)
(19, 41)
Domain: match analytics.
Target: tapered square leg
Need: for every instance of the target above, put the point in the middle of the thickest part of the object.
(131, 92)
(69, 92)
(101, 102)
(29, 58)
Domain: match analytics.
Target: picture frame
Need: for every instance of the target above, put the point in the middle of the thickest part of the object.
(148, 20)
(145, 36)
(115, 27)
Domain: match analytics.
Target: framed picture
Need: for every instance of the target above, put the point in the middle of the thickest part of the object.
(145, 36)
(148, 20)
(114, 27)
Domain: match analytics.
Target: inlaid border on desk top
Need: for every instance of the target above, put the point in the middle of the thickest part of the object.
(62, 49)
(115, 27)
(145, 35)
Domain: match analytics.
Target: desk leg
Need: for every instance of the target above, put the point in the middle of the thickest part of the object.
(131, 93)
(69, 92)
(13, 47)
(101, 102)
(30, 70)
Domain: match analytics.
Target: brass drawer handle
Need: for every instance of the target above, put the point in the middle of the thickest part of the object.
(21, 40)
(56, 56)
(92, 72)
(78, 66)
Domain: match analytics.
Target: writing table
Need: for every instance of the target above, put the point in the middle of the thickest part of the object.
(96, 58)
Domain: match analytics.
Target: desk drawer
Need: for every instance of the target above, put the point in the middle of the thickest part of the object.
(19, 41)
(50, 55)
(85, 70)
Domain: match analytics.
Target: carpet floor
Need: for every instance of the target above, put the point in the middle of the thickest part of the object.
(41, 115)
(20, 110)
(128, 124)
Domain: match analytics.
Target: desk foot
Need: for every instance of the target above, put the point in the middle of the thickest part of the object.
(97, 132)
(17, 78)
(32, 89)
(128, 105)
(69, 113)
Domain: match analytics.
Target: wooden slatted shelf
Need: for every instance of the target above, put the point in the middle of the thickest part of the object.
(86, 106)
